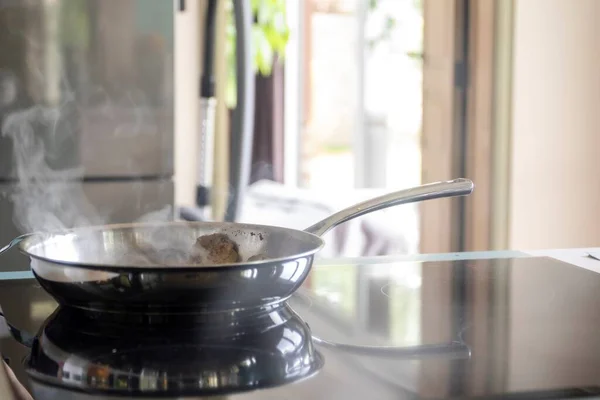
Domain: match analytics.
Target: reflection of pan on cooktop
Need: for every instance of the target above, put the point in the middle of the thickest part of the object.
(184, 355)
(77, 352)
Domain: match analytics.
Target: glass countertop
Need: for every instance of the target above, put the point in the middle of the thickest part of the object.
(527, 323)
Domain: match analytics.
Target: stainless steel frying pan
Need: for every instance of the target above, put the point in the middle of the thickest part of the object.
(93, 268)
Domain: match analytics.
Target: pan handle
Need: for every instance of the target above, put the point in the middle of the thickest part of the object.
(14, 242)
(452, 350)
(456, 187)
(21, 336)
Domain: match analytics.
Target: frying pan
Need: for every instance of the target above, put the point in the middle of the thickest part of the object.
(102, 268)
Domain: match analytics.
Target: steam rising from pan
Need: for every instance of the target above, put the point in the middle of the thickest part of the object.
(48, 199)
(45, 199)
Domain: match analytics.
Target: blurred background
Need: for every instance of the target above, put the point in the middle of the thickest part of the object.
(373, 96)
(342, 100)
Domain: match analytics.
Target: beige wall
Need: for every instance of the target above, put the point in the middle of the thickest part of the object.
(555, 193)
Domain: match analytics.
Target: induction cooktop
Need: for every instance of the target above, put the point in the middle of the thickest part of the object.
(518, 328)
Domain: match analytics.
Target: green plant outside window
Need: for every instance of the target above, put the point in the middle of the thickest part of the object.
(270, 34)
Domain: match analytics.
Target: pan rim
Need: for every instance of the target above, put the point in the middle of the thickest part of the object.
(37, 238)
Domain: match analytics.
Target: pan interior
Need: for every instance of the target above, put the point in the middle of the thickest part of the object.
(164, 244)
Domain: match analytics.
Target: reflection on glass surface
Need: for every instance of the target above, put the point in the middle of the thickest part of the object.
(405, 303)
(39, 310)
(381, 300)
(149, 380)
(290, 341)
(531, 325)
(337, 286)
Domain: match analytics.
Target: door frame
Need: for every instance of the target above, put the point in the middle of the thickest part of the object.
(489, 125)
(479, 149)
(466, 81)
(442, 132)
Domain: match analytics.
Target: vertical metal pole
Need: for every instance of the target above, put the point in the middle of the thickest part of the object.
(243, 117)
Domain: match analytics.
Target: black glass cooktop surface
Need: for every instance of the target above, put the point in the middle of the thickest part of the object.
(518, 328)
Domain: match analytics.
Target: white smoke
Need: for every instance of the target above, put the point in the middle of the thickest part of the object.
(165, 214)
(45, 199)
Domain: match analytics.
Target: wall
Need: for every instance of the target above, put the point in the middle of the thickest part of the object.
(554, 192)
(555, 195)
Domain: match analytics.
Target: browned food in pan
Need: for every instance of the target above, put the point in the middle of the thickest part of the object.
(211, 249)
(216, 248)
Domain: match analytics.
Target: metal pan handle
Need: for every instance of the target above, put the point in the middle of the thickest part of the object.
(452, 350)
(14, 242)
(456, 187)
(21, 336)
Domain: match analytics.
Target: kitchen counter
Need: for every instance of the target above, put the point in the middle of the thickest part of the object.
(488, 324)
